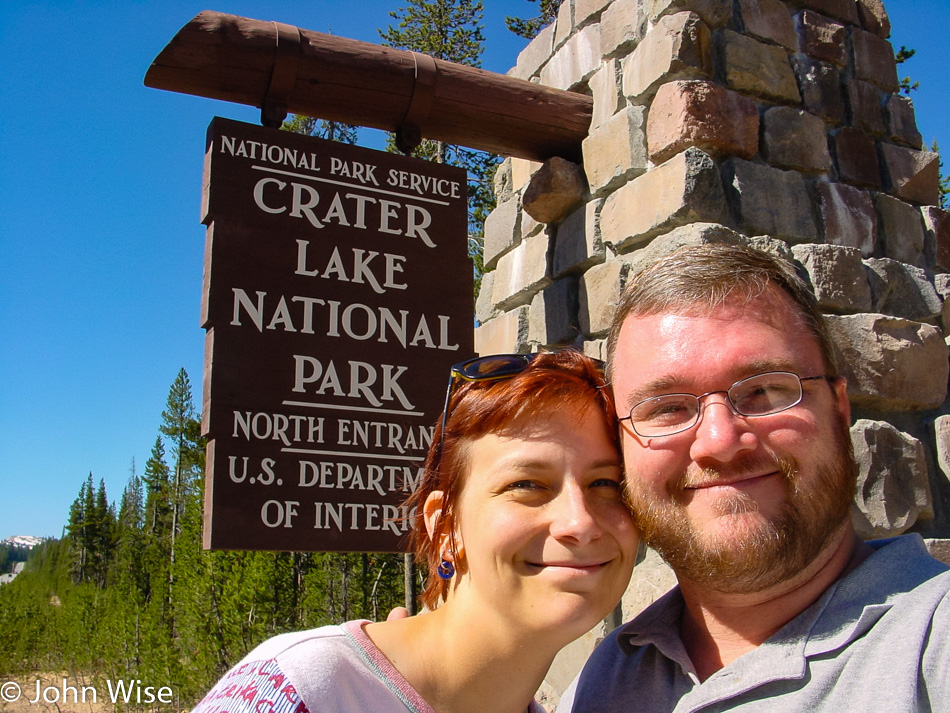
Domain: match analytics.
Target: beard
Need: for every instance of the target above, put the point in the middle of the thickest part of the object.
(757, 552)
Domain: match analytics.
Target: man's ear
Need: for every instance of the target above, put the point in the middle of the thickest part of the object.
(840, 386)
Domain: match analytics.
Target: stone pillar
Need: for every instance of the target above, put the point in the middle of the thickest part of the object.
(761, 121)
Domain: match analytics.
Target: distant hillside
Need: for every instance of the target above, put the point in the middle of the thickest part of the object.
(16, 549)
(23, 541)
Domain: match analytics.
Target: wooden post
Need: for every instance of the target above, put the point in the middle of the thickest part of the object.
(409, 580)
(242, 60)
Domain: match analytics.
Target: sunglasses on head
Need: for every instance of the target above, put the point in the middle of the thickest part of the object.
(487, 368)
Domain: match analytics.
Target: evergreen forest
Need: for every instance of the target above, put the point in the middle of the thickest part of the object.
(128, 592)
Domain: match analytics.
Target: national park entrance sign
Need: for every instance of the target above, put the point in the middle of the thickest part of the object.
(338, 291)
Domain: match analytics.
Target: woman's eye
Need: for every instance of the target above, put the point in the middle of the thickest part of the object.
(523, 485)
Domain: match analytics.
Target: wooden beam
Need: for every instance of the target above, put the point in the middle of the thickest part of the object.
(232, 58)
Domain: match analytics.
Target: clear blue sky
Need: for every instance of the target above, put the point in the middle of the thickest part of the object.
(100, 245)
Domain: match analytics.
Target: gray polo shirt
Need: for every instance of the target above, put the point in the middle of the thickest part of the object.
(877, 640)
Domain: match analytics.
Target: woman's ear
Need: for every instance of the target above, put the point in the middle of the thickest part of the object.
(432, 510)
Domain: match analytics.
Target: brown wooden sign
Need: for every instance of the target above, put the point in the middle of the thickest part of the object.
(338, 291)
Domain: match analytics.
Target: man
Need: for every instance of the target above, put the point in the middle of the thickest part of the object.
(741, 475)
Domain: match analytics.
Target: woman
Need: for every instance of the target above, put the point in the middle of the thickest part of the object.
(521, 519)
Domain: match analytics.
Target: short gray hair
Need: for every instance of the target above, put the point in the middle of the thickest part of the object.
(706, 276)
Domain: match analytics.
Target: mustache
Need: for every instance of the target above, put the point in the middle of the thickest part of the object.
(738, 470)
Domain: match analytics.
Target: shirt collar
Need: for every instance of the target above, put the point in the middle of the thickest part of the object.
(845, 611)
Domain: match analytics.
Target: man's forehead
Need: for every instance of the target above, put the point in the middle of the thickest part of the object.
(768, 305)
(674, 348)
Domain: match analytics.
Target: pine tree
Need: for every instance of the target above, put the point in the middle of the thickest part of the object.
(181, 427)
(530, 27)
(103, 543)
(450, 30)
(943, 186)
(157, 512)
(321, 128)
(76, 536)
(906, 84)
(129, 570)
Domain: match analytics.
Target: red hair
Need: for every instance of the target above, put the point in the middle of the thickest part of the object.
(553, 381)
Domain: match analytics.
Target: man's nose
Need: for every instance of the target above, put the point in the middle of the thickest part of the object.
(721, 433)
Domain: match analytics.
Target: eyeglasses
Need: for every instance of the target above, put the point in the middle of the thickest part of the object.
(759, 395)
(489, 368)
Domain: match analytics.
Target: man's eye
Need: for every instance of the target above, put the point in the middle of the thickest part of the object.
(664, 410)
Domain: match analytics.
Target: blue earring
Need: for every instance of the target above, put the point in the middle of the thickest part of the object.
(446, 569)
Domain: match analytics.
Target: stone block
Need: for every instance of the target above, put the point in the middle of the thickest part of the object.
(937, 227)
(616, 151)
(595, 348)
(575, 61)
(521, 273)
(715, 13)
(678, 46)
(913, 175)
(901, 121)
(689, 235)
(893, 491)
(820, 84)
(685, 189)
(759, 69)
(564, 24)
(874, 60)
(902, 290)
(865, 102)
(891, 364)
(942, 433)
(837, 277)
(874, 17)
(938, 549)
(554, 190)
(942, 286)
(535, 55)
(848, 217)
(769, 20)
(704, 115)
(754, 190)
(844, 10)
(795, 139)
(598, 294)
(566, 665)
(484, 306)
(586, 11)
(521, 172)
(903, 230)
(502, 231)
(605, 89)
(501, 181)
(773, 246)
(654, 578)
(504, 334)
(577, 243)
(552, 316)
(856, 158)
(822, 38)
(622, 26)
(529, 226)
